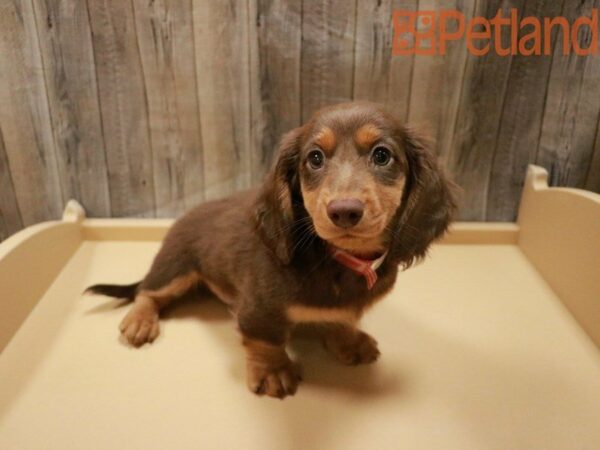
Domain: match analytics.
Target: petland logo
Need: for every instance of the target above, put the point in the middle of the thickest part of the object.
(428, 33)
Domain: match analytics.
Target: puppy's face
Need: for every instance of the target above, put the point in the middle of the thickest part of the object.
(368, 183)
(352, 172)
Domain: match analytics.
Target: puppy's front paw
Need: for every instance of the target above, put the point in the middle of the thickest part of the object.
(273, 381)
(140, 325)
(353, 349)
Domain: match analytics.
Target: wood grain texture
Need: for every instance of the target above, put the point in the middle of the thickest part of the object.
(10, 216)
(166, 42)
(572, 110)
(148, 107)
(437, 80)
(70, 76)
(471, 154)
(124, 109)
(378, 75)
(24, 117)
(592, 181)
(222, 66)
(521, 121)
(275, 37)
(328, 30)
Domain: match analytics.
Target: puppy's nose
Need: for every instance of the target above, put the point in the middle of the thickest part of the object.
(345, 213)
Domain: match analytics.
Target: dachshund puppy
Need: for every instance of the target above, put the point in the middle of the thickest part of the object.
(353, 195)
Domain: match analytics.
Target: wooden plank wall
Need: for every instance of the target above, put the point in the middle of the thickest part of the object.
(147, 107)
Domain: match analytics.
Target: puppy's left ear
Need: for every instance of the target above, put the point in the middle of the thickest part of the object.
(274, 207)
(429, 202)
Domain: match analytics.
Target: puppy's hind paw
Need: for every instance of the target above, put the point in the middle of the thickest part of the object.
(140, 326)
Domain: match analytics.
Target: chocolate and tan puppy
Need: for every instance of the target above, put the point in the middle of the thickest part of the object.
(353, 195)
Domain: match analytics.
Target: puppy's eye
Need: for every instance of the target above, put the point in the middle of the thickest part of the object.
(381, 156)
(316, 159)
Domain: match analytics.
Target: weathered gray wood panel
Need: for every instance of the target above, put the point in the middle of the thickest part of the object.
(471, 154)
(222, 66)
(326, 74)
(592, 181)
(165, 36)
(24, 116)
(378, 75)
(275, 37)
(521, 120)
(437, 80)
(70, 75)
(124, 108)
(146, 108)
(10, 216)
(572, 109)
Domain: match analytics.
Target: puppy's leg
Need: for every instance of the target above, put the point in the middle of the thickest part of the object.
(269, 369)
(140, 325)
(265, 333)
(350, 345)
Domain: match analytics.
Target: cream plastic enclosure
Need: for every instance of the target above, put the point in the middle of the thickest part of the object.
(491, 343)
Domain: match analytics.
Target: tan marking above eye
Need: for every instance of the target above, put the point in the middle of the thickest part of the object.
(326, 140)
(367, 135)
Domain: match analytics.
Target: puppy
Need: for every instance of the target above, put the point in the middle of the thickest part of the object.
(353, 195)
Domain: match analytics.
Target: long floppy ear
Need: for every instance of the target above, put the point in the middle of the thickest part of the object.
(429, 202)
(274, 207)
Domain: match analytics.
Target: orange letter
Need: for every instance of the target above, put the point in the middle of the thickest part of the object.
(497, 23)
(444, 35)
(535, 35)
(404, 32)
(425, 34)
(514, 30)
(548, 24)
(472, 34)
(593, 24)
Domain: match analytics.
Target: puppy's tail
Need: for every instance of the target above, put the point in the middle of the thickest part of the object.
(127, 291)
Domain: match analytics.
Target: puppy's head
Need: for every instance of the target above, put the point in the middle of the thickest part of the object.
(365, 183)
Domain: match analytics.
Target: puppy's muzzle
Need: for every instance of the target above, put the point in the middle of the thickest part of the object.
(345, 213)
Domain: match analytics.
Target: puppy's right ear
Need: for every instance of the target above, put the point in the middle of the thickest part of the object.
(274, 208)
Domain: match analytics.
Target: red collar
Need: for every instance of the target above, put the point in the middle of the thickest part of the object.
(365, 267)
